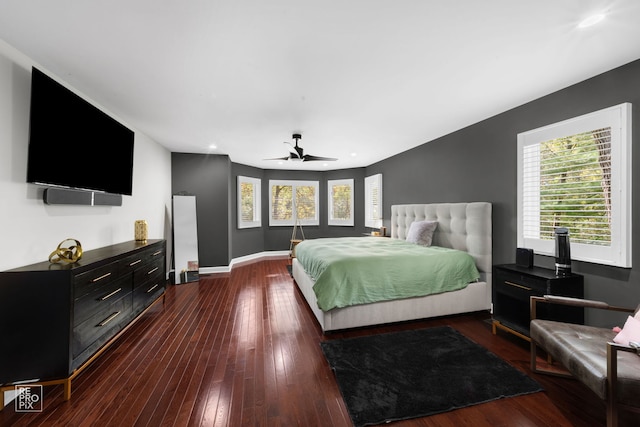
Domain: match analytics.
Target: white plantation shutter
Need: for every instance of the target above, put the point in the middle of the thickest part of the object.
(249, 203)
(373, 201)
(567, 183)
(340, 202)
(306, 202)
(290, 197)
(531, 191)
(576, 174)
(281, 206)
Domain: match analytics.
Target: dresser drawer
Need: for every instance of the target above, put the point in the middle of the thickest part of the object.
(515, 289)
(133, 262)
(522, 281)
(106, 321)
(147, 293)
(156, 253)
(101, 296)
(151, 270)
(86, 282)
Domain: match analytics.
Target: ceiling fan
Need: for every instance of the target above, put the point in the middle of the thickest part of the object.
(298, 154)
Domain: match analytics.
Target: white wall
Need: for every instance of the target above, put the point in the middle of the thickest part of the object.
(30, 229)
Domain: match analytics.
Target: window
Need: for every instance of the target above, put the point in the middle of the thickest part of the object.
(289, 199)
(577, 174)
(249, 209)
(340, 202)
(373, 201)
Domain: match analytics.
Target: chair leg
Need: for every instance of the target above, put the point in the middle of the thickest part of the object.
(534, 356)
(612, 375)
(548, 370)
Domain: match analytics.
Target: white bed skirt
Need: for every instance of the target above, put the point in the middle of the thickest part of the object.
(475, 297)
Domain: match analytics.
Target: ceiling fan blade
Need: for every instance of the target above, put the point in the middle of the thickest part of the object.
(279, 158)
(310, 158)
(297, 154)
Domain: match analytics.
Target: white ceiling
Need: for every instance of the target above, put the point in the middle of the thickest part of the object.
(370, 77)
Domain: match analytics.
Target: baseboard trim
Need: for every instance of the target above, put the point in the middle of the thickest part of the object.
(247, 259)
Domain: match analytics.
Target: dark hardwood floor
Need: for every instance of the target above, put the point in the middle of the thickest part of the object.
(243, 349)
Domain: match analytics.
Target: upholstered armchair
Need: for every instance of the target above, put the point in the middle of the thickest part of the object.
(588, 353)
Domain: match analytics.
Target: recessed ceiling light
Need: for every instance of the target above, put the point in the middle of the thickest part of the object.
(213, 146)
(591, 20)
(354, 154)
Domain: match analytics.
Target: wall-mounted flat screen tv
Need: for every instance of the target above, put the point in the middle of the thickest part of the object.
(73, 144)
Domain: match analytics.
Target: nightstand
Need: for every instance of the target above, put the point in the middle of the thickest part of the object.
(514, 285)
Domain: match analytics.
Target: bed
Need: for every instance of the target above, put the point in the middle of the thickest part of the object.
(464, 227)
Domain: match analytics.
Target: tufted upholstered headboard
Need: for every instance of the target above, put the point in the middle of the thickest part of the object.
(462, 226)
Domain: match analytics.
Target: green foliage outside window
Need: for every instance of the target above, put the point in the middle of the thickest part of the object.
(247, 201)
(282, 202)
(575, 187)
(341, 196)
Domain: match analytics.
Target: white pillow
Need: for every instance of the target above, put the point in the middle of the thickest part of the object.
(421, 232)
(630, 332)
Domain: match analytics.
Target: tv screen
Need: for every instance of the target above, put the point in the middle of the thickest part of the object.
(73, 144)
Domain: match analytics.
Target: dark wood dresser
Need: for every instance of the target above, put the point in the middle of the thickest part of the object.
(57, 317)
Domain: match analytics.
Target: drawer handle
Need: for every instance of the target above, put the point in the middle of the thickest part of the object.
(152, 271)
(109, 319)
(152, 288)
(134, 263)
(109, 295)
(156, 253)
(101, 277)
(517, 286)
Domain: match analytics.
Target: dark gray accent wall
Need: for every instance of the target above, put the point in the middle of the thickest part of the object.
(478, 163)
(208, 177)
(246, 241)
(213, 180)
(277, 238)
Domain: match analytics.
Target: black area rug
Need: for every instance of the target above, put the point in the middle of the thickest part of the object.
(409, 374)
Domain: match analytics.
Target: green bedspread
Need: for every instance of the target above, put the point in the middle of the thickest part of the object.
(358, 270)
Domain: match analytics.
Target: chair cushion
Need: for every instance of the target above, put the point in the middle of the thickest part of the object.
(582, 350)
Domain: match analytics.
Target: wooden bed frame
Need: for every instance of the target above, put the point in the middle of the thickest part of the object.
(462, 226)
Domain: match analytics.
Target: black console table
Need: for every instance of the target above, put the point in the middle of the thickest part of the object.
(57, 318)
(512, 288)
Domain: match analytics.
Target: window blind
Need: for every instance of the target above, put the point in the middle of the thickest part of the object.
(305, 203)
(247, 202)
(341, 198)
(293, 199)
(281, 202)
(373, 201)
(567, 183)
(340, 202)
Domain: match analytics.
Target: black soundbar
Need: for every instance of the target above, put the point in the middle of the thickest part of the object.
(63, 196)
